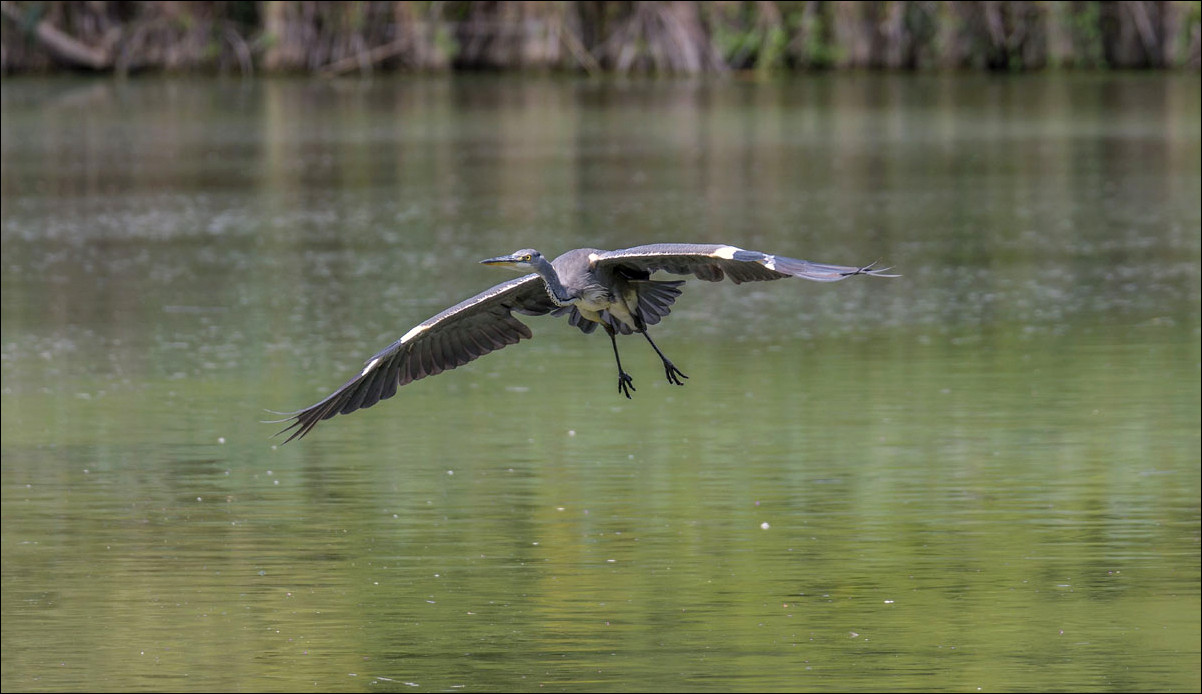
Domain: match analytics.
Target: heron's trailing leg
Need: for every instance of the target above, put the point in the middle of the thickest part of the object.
(625, 382)
(674, 374)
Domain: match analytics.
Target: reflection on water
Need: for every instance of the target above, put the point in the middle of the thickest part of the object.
(982, 474)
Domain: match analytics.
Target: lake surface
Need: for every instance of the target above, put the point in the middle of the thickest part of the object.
(983, 474)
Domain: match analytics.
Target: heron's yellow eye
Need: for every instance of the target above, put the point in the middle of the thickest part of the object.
(526, 257)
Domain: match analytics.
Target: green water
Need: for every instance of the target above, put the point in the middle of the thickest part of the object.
(983, 474)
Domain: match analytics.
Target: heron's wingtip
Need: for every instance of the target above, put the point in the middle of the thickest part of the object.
(295, 418)
(871, 270)
(304, 429)
(285, 416)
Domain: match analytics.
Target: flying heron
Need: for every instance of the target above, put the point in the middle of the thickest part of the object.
(592, 287)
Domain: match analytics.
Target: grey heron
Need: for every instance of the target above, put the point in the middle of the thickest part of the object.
(592, 287)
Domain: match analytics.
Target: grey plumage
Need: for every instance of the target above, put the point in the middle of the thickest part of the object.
(590, 286)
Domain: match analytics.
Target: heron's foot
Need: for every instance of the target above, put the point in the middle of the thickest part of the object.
(625, 384)
(674, 374)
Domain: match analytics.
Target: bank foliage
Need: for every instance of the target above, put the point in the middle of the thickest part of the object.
(595, 36)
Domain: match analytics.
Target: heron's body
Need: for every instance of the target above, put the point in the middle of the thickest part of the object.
(590, 286)
(598, 289)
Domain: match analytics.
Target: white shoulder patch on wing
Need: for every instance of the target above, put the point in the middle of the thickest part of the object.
(370, 365)
(727, 252)
(414, 333)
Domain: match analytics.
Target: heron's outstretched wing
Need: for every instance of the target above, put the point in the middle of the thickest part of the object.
(465, 331)
(714, 262)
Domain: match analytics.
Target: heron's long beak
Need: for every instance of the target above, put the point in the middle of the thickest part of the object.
(500, 260)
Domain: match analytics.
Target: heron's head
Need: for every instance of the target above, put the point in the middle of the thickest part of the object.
(525, 259)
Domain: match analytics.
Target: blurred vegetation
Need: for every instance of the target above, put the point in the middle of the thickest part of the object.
(595, 36)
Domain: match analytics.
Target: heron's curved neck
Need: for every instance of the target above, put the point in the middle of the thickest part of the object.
(559, 294)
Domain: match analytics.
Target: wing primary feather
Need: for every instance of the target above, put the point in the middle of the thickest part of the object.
(453, 350)
(354, 398)
(391, 383)
(371, 394)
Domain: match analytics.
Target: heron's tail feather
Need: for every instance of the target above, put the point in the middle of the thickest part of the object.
(656, 298)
